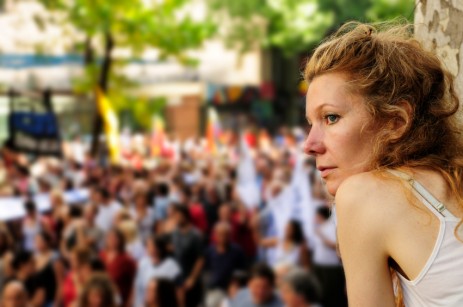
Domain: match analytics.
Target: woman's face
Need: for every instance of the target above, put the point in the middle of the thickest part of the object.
(339, 138)
(95, 298)
(112, 241)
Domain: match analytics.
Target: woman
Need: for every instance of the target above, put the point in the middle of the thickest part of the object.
(143, 215)
(49, 269)
(290, 250)
(158, 263)
(384, 134)
(80, 260)
(32, 225)
(120, 265)
(134, 244)
(98, 291)
(160, 292)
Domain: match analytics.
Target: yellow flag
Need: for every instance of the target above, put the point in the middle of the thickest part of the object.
(111, 125)
(157, 136)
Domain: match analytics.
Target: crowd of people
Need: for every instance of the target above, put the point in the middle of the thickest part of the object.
(172, 230)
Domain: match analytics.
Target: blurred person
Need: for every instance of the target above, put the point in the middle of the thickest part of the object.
(134, 245)
(14, 294)
(80, 260)
(120, 266)
(107, 209)
(168, 225)
(143, 214)
(58, 209)
(160, 292)
(21, 180)
(24, 267)
(326, 263)
(261, 290)
(238, 281)
(197, 213)
(98, 291)
(188, 251)
(211, 202)
(73, 231)
(6, 254)
(300, 289)
(291, 249)
(236, 214)
(49, 270)
(158, 263)
(161, 200)
(93, 234)
(222, 258)
(32, 224)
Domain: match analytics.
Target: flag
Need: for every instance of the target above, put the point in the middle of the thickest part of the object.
(213, 130)
(247, 185)
(111, 125)
(157, 136)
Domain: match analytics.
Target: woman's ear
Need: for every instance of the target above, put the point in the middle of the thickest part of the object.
(401, 122)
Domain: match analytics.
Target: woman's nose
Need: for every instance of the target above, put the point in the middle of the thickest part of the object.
(314, 142)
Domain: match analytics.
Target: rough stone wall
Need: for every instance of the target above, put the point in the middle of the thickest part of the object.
(439, 26)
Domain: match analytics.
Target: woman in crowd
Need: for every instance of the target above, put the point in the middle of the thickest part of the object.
(161, 292)
(49, 268)
(386, 138)
(142, 214)
(134, 244)
(80, 260)
(98, 291)
(291, 249)
(158, 263)
(120, 266)
(32, 225)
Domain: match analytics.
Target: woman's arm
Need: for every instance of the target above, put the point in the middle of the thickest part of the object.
(362, 236)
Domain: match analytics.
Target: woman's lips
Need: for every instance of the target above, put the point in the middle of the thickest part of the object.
(325, 171)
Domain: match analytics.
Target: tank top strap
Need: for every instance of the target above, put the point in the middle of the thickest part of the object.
(428, 198)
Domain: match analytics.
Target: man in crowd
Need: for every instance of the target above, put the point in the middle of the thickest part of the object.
(188, 251)
(222, 258)
(107, 209)
(260, 291)
(299, 289)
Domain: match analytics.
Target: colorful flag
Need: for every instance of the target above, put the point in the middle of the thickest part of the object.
(157, 136)
(213, 130)
(111, 125)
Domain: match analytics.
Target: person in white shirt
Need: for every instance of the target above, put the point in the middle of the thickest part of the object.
(327, 265)
(107, 209)
(158, 263)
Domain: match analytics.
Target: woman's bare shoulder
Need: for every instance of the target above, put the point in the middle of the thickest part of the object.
(376, 196)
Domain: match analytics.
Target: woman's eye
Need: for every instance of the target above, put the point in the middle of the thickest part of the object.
(331, 119)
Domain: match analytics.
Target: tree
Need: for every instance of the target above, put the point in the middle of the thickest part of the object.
(289, 29)
(439, 26)
(133, 25)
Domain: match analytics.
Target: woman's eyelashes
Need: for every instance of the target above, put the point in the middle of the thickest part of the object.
(331, 119)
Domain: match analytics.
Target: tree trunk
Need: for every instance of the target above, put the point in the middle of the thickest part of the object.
(103, 84)
(439, 26)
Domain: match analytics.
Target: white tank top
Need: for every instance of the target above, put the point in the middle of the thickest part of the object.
(440, 282)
